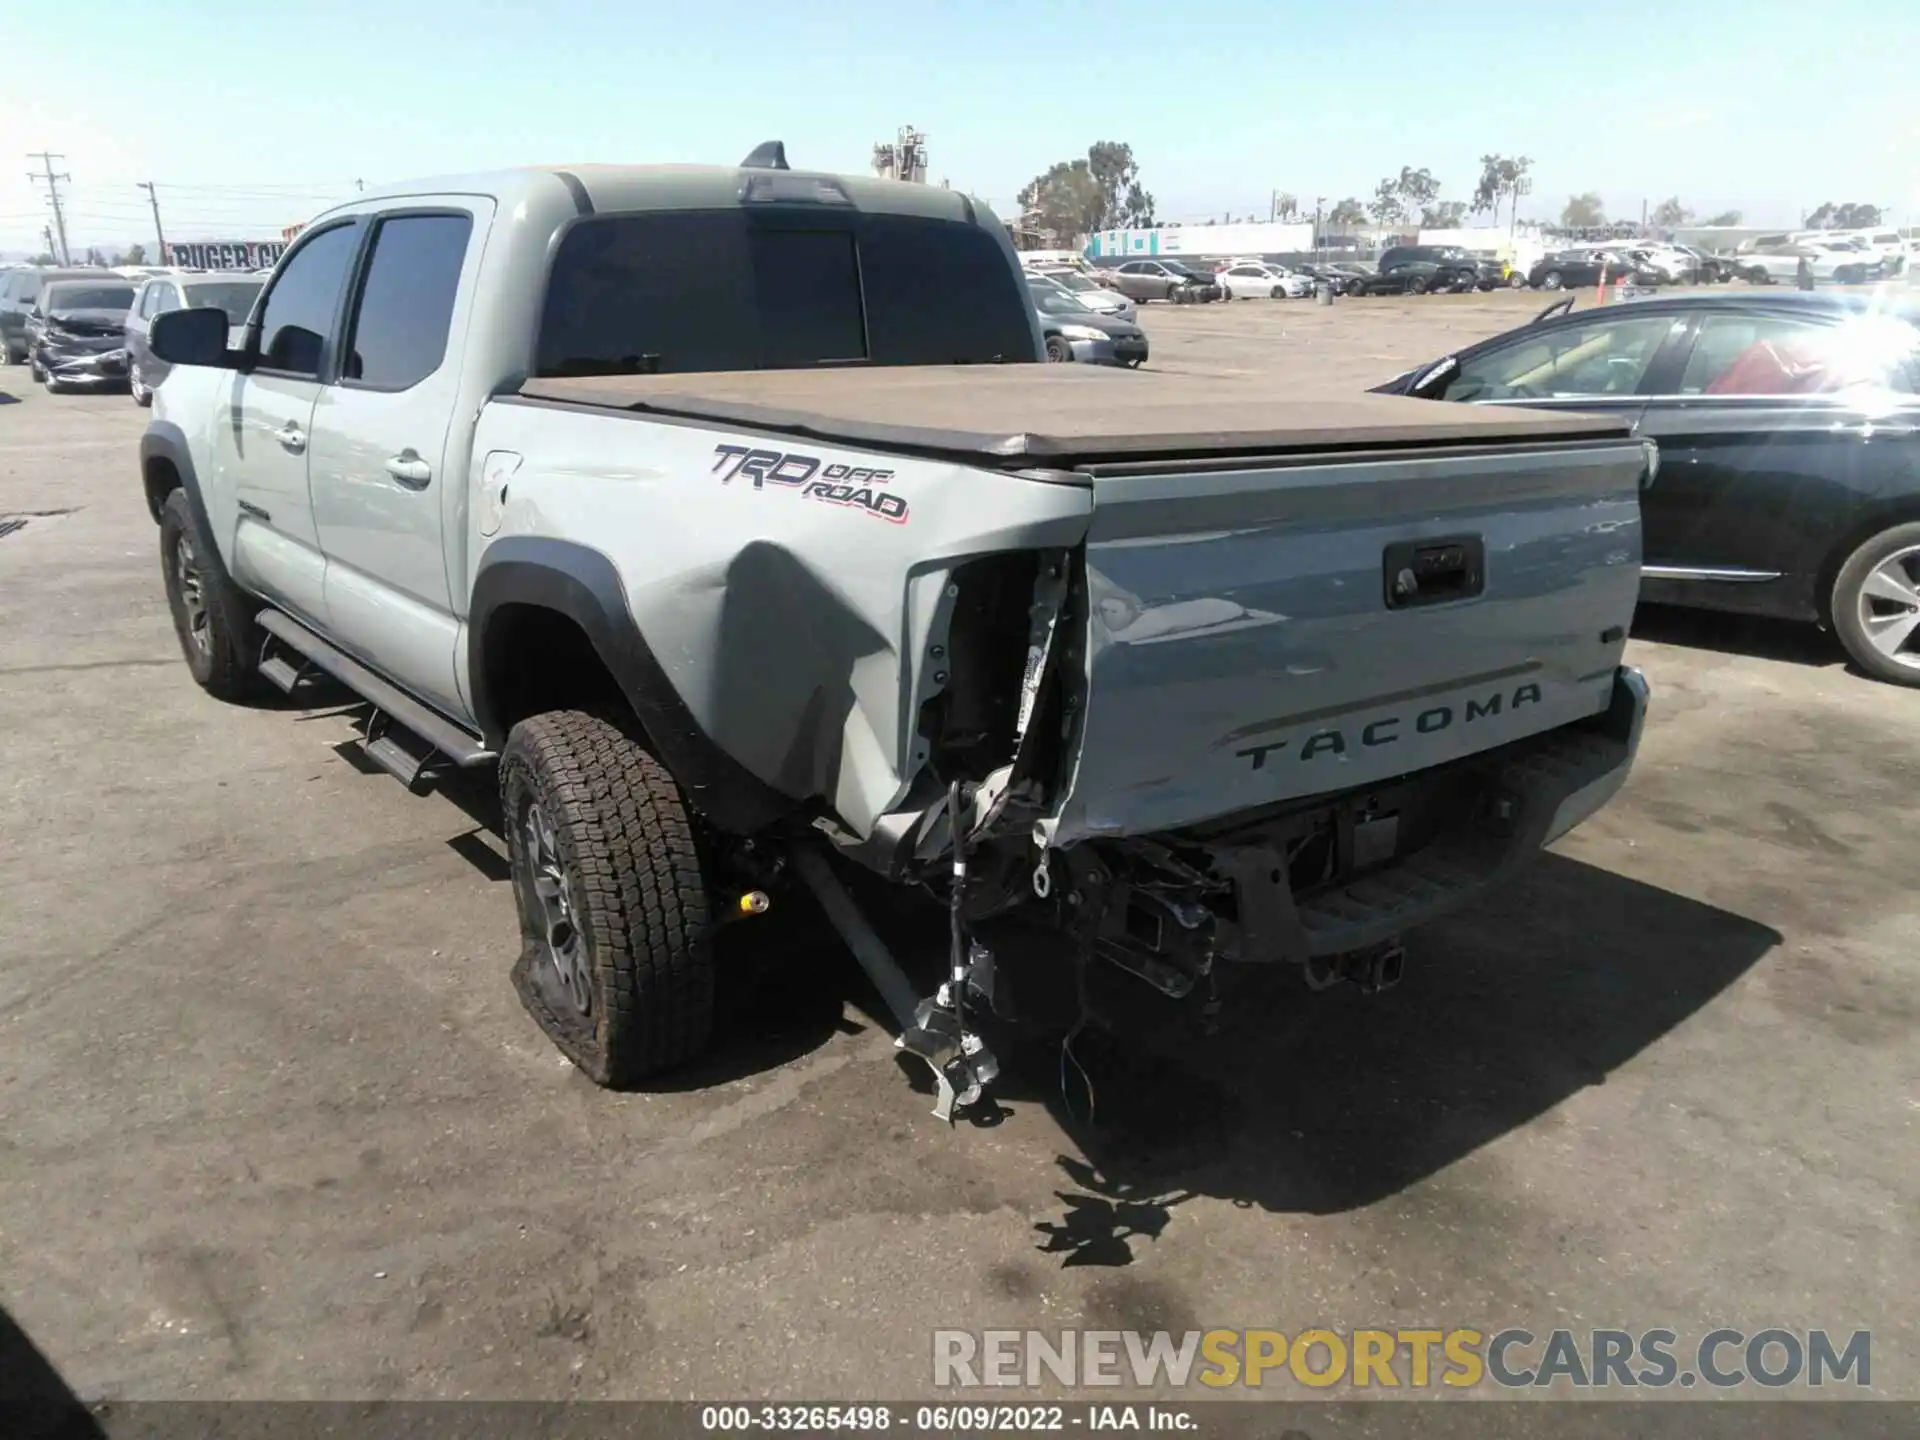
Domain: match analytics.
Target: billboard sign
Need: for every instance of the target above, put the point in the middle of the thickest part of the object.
(225, 254)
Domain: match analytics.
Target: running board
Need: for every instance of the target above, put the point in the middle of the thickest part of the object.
(444, 736)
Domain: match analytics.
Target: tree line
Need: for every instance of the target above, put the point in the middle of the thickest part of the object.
(1102, 191)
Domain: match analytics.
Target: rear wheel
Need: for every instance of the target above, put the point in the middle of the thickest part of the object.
(1356, 287)
(1417, 285)
(211, 616)
(1875, 606)
(616, 959)
(1552, 280)
(1517, 281)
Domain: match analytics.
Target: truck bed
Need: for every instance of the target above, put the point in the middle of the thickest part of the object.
(1062, 416)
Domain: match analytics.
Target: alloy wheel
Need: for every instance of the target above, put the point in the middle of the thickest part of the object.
(1890, 607)
(553, 887)
(193, 594)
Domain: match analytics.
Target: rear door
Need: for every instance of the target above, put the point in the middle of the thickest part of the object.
(388, 470)
(263, 429)
(160, 297)
(139, 358)
(1779, 434)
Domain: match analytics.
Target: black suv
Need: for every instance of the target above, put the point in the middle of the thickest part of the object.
(1416, 269)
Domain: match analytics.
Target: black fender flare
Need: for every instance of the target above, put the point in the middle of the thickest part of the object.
(164, 441)
(583, 585)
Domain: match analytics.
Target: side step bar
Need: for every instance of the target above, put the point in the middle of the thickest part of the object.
(443, 735)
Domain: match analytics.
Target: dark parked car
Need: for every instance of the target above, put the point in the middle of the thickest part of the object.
(1326, 275)
(76, 334)
(19, 292)
(1588, 267)
(233, 293)
(1075, 331)
(1789, 474)
(1417, 269)
(1161, 280)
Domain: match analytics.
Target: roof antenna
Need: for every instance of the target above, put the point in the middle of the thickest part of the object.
(771, 155)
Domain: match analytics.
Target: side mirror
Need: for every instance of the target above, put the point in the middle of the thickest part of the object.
(1433, 379)
(192, 337)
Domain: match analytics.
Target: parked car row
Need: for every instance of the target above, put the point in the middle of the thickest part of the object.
(87, 328)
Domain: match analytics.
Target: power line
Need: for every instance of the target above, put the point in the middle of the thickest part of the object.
(53, 195)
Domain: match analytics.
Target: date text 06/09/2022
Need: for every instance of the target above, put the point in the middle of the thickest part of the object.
(878, 1418)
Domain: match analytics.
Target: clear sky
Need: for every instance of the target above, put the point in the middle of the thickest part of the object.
(249, 116)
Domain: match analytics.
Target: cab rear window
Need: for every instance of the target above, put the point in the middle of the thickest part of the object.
(699, 290)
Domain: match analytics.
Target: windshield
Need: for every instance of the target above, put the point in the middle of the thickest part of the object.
(236, 297)
(87, 297)
(688, 291)
(1057, 302)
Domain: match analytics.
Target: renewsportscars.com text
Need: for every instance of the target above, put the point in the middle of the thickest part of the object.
(1512, 1358)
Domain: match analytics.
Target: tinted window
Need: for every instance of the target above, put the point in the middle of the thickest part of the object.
(1606, 357)
(683, 291)
(1784, 355)
(235, 297)
(305, 298)
(406, 303)
(69, 296)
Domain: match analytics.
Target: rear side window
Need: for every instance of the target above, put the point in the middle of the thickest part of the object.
(688, 291)
(305, 298)
(406, 302)
(1786, 355)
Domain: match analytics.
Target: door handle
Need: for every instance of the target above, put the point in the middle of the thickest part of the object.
(410, 470)
(290, 438)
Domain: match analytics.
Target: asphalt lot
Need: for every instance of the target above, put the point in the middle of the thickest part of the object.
(277, 1126)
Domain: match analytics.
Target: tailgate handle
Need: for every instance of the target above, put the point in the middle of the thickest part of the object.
(1432, 572)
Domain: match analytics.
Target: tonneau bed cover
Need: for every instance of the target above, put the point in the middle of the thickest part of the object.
(1012, 416)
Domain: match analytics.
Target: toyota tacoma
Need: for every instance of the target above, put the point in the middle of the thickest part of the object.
(726, 515)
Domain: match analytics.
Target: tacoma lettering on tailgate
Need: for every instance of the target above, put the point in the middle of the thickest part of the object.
(855, 486)
(1388, 728)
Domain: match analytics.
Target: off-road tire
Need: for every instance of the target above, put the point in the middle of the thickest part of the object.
(226, 665)
(627, 846)
(1844, 605)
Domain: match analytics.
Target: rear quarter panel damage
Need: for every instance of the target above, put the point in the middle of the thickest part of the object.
(793, 592)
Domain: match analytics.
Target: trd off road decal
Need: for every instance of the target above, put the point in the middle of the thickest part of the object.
(854, 486)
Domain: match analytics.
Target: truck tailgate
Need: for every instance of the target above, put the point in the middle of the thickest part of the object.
(1256, 635)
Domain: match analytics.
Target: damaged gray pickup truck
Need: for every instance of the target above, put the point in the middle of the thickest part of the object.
(728, 513)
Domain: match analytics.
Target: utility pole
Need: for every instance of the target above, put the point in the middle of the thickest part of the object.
(53, 194)
(1318, 201)
(159, 235)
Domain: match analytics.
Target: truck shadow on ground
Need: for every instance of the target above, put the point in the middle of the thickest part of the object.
(1323, 1103)
(1757, 636)
(36, 1403)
